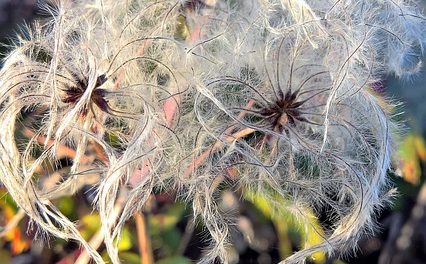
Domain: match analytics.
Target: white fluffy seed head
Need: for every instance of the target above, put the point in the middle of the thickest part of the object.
(264, 95)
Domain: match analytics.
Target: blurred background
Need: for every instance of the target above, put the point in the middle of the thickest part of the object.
(262, 238)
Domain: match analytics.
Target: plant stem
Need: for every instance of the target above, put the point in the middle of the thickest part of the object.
(62, 149)
(144, 240)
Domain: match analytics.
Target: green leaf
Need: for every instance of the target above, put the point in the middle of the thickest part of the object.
(171, 240)
(174, 260)
(125, 242)
(168, 220)
(129, 258)
(67, 206)
(410, 154)
(5, 256)
(7, 199)
(281, 212)
(182, 30)
(91, 223)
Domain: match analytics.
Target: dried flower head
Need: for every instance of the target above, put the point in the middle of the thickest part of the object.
(186, 96)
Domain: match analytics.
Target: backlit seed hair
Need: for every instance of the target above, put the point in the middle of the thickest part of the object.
(193, 97)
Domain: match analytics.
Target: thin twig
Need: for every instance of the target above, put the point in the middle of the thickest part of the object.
(237, 135)
(63, 150)
(201, 158)
(144, 239)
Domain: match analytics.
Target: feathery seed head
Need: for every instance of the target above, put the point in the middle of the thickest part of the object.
(270, 96)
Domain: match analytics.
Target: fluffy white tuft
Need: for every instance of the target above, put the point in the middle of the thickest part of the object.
(174, 95)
